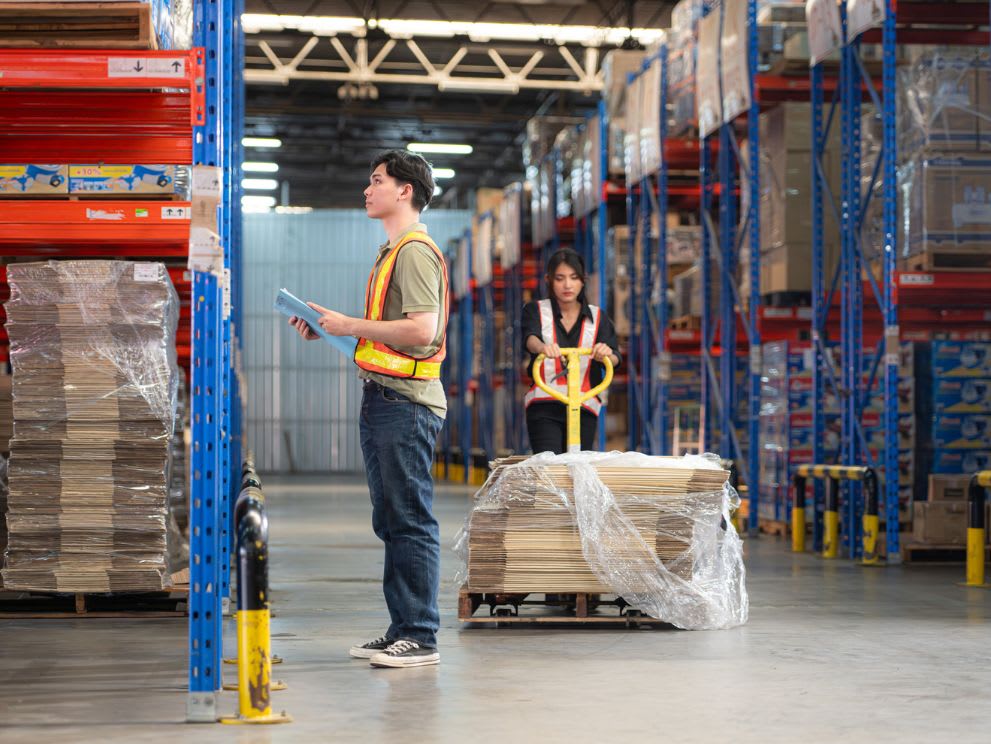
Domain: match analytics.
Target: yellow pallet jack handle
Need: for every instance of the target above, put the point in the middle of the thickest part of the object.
(575, 397)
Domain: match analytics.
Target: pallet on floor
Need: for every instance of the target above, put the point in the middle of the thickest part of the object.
(774, 527)
(79, 25)
(17, 605)
(921, 553)
(536, 608)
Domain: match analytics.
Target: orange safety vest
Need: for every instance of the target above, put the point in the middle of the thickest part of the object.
(554, 368)
(374, 356)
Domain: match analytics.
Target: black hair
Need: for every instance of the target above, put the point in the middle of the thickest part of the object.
(408, 167)
(574, 261)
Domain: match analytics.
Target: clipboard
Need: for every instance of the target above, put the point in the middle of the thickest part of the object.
(289, 305)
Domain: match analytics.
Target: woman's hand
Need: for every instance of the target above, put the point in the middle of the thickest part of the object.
(551, 351)
(303, 329)
(600, 352)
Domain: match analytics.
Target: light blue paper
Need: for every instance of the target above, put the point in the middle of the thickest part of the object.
(289, 305)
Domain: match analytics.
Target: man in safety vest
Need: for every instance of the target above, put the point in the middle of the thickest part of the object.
(401, 344)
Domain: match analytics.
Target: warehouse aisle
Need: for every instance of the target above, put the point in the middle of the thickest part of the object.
(832, 653)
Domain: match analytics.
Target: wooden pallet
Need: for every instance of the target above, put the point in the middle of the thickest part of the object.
(55, 605)
(921, 554)
(774, 527)
(77, 25)
(687, 323)
(567, 609)
(977, 258)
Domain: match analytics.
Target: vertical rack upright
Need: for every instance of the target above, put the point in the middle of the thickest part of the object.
(216, 29)
(719, 387)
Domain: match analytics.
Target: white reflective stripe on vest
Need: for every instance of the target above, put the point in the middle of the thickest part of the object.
(586, 341)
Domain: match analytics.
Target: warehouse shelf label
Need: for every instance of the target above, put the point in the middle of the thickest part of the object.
(176, 213)
(104, 214)
(918, 280)
(207, 181)
(147, 67)
(145, 272)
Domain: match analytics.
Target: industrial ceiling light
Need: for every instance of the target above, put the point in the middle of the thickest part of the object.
(271, 142)
(398, 28)
(293, 210)
(260, 184)
(439, 148)
(255, 204)
(443, 173)
(256, 167)
(493, 85)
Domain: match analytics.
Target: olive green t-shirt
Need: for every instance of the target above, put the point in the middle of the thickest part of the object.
(417, 286)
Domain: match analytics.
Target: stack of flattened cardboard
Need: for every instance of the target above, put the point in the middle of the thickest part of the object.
(527, 538)
(95, 379)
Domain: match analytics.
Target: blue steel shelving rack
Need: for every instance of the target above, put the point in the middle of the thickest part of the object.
(719, 388)
(215, 405)
(919, 24)
(649, 362)
(486, 358)
(510, 372)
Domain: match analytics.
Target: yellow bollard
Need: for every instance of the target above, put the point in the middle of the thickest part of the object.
(798, 516)
(831, 522)
(872, 520)
(976, 528)
(254, 651)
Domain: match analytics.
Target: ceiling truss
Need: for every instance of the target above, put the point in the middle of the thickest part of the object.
(451, 74)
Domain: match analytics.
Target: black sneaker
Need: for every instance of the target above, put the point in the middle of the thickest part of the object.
(405, 653)
(368, 650)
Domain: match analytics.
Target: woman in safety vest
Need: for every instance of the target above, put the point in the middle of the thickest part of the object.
(565, 320)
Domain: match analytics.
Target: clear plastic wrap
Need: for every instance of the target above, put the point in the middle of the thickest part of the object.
(945, 101)
(182, 24)
(653, 530)
(92, 345)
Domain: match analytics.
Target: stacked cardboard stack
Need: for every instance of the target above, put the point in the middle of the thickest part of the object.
(523, 538)
(95, 379)
(6, 413)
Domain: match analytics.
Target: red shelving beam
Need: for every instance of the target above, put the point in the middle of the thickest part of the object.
(89, 228)
(102, 69)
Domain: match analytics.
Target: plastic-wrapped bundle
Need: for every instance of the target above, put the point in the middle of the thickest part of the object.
(653, 530)
(945, 101)
(92, 345)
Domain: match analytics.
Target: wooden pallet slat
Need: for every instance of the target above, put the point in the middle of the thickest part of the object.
(35, 605)
(124, 25)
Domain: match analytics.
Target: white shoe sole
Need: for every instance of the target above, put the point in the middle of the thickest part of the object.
(389, 662)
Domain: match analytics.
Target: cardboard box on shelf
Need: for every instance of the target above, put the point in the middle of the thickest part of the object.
(961, 358)
(948, 205)
(959, 462)
(123, 179)
(939, 522)
(32, 179)
(948, 487)
(488, 200)
(616, 66)
(962, 431)
(961, 395)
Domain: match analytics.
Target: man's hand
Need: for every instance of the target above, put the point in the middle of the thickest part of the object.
(600, 352)
(303, 328)
(333, 322)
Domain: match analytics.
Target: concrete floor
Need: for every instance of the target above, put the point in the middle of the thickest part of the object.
(832, 653)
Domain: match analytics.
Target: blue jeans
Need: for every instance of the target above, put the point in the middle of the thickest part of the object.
(397, 441)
